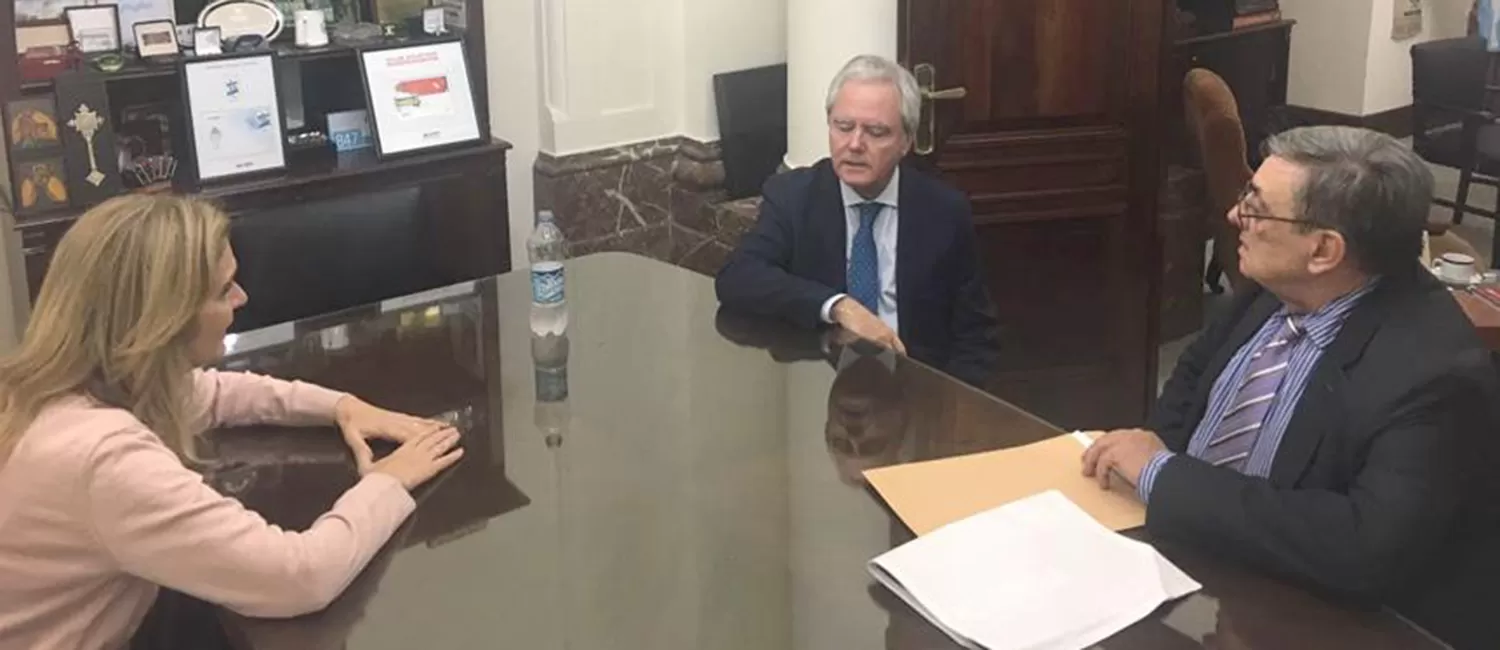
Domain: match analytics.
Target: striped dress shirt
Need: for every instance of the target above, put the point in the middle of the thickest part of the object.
(1322, 327)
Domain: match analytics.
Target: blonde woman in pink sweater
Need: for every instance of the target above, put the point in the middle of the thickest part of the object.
(103, 399)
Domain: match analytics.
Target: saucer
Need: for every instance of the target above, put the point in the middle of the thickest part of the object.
(1474, 279)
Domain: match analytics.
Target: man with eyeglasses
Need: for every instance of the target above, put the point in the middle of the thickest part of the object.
(863, 242)
(1335, 426)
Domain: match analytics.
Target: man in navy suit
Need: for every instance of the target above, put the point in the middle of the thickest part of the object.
(863, 242)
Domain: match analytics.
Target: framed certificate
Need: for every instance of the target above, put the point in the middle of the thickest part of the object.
(434, 21)
(143, 11)
(96, 29)
(420, 97)
(234, 115)
(156, 38)
(208, 41)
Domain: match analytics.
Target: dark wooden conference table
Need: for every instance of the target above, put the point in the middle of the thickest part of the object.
(666, 476)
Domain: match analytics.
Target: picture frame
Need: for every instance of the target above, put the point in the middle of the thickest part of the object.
(144, 11)
(88, 133)
(234, 119)
(29, 12)
(95, 28)
(31, 126)
(156, 39)
(434, 21)
(208, 41)
(40, 185)
(420, 96)
(397, 11)
(457, 12)
(186, 36)
(43, 34)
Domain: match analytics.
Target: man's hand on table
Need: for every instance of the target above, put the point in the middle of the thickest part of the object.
(858, 322)
(1126, 451)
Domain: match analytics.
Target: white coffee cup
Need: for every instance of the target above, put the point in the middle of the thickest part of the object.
(1456, 267)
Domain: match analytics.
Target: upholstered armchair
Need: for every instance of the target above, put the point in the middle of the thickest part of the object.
(1213, 120)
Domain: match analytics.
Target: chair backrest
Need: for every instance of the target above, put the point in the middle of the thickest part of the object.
(1213, 118)
(1450, 72)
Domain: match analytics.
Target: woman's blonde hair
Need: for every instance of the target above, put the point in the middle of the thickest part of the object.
(117, 315)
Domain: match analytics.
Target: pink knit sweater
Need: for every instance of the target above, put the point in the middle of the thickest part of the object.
(95, 512)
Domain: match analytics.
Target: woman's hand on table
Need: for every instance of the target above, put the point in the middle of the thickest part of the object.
(360, 421)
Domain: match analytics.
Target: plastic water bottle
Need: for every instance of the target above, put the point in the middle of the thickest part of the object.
(549, 302)
(549, 357)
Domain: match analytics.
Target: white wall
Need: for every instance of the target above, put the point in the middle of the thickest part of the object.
(624, 72)
(1388, 62)
(1343, 58)
(612, 72)
(1447, 18)
(512, 47)
(1329, 48)
(722, 36)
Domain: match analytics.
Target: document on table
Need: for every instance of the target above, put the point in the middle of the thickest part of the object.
(928, 494)
(1035, 574)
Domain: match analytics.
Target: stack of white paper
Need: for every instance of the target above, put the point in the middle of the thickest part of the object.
(1034, 574)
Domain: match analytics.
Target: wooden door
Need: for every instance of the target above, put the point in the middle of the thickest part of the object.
(1055, 138)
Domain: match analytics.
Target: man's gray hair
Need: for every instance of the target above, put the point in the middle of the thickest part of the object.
(1368, 186)
(869, 67)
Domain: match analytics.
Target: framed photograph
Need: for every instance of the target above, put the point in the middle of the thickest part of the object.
(185, 36)
(31, 125)
(144, 11)
(156, 38)
(457, 11)
(40, 185)
(420, 97)
(38, 11)
(208, 41)
(48, 34)
(234, 115)
(96, 29)
(434, 21)
(397, 11)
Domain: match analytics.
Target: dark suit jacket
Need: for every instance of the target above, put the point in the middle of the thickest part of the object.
(793, 261)
(1382, 491)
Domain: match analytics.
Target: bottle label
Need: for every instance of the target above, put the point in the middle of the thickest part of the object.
(547, 286)
(551, 384)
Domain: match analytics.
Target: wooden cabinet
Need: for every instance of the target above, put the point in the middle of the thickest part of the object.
(1253, 61)
(457, 222)
(458, 225)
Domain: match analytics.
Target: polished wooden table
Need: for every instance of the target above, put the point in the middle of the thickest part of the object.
(666, 476)
(1485, 316)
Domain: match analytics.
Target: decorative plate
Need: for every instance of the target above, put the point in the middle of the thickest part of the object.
(236, 18)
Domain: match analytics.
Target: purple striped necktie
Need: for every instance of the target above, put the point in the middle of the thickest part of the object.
(1233, 440)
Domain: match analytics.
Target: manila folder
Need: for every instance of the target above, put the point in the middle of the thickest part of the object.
(930, 494)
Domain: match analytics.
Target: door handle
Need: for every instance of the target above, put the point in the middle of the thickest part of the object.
(958, 92)
(926, 75)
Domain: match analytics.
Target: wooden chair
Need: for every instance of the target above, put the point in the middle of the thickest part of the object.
(1213, 120)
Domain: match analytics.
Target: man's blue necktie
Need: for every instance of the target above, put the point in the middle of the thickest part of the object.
(864, 264)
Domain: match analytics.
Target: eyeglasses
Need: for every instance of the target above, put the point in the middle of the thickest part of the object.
(1245, 213)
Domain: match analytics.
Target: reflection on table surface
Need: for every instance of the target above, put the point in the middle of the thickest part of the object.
(663, 476)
